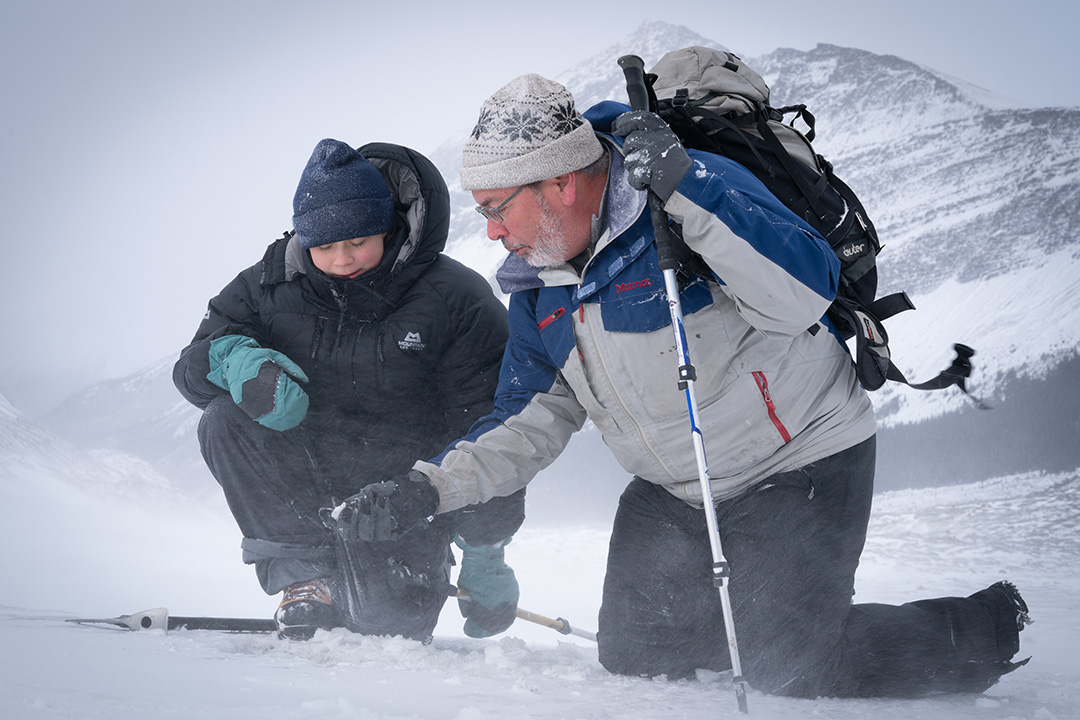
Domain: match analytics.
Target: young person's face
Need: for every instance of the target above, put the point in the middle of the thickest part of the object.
(349, 258)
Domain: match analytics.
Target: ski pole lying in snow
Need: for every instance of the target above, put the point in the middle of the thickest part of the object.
(634, 70)
(159, 619)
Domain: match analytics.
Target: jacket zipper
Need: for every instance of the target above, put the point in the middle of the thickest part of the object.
(763, 386)
(552, 317)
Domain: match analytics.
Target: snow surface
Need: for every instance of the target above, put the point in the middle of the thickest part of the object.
(923, 543)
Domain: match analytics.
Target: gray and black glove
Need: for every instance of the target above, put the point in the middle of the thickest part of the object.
(654, 157)
(387, 510)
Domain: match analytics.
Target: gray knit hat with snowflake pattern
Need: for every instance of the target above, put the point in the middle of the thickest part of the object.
(528, 131)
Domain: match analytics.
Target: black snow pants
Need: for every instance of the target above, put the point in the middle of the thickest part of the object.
(793, 544)
(275, 483)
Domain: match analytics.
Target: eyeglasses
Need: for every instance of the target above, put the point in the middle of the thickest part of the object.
(495, 214)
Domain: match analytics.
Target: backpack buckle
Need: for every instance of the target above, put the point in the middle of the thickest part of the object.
(681, 99)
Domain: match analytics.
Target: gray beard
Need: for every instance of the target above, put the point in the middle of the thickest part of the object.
(551, 245)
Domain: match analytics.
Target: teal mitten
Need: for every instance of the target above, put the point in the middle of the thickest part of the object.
(492, 588)
(261, 381)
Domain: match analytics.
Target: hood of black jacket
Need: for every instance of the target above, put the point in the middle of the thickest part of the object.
(422, 221)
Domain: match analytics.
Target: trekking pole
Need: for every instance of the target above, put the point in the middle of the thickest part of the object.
(634, 70)
(560, 625)
(400, 576)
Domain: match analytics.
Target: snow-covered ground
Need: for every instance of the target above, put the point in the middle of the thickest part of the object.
(941, 541)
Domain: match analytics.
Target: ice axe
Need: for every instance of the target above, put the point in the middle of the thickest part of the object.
(638, 92)
(159, 619)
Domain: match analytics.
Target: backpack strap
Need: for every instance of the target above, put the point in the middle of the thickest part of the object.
(684, 117)
(811, 193)
(690, 262)
(873, 361)
(885, 307)
(800, 112)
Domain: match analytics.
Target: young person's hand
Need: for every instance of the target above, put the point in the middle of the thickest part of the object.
(263, 382)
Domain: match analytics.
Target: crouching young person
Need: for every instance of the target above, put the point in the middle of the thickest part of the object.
(353, 346)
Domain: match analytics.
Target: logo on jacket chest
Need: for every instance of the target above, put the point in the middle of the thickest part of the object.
(632, 285)
(412, 341)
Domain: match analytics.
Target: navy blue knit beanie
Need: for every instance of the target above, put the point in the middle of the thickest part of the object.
(340, 196)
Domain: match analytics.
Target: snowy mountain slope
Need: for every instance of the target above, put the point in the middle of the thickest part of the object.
(77, 525)
(956, 189)
(141, 414)
(33, 457)
(922, 543)
(978, 209)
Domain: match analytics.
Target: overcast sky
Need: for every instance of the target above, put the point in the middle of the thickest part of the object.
(149, 151)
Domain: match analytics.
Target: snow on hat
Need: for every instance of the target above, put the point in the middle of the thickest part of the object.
(340, 196)
(528, 131)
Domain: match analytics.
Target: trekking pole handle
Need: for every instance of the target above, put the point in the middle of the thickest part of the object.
(638, 91)
(634, 69)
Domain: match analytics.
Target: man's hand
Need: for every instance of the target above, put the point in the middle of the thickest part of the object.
(654, 157)
(492, 588)
(263, 382)
(387, 510)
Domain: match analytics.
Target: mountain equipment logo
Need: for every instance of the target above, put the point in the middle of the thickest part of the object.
(412, 341)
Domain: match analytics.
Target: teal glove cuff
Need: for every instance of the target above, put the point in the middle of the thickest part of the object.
(491, 586)
(260, 380)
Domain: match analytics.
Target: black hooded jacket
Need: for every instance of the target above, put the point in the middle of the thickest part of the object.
(401, 359)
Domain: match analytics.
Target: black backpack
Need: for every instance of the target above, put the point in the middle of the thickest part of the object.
(716, 103)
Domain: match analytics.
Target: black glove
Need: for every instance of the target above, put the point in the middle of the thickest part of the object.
(387, 510)
(654, 157)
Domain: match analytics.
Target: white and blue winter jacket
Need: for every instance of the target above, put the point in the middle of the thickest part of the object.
(772, 395)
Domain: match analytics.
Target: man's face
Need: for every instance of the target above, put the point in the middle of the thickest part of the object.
(531, 227)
